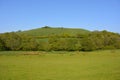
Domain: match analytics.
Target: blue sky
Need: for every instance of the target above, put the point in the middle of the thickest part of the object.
(88, 14)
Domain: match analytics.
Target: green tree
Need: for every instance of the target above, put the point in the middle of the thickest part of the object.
(11, 40)
(28, 43)
(88, 44)
(46, 27)
(2, 45)
(43, 45)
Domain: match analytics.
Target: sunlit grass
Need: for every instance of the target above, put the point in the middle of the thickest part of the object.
(97, 65)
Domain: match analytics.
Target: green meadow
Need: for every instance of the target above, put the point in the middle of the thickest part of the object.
(46, 32)
(60, 65)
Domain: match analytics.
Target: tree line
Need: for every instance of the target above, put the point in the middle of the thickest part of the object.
(96, 40)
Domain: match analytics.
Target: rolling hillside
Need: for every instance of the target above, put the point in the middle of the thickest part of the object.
(54, 31)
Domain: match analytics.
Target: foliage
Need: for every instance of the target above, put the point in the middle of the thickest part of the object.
(28, 43)
(11, 41)
(43, 45)
(46, 27)
(2, 45)
(64, 44)
(101, 40)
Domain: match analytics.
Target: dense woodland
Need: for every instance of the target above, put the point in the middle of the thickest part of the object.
(95, 40)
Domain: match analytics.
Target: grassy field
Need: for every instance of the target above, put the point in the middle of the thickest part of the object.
(54, 31)
(97, 65)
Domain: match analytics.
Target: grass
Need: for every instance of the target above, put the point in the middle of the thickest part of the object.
(54, 31)
(97, 65)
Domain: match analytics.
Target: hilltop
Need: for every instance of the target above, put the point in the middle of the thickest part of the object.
(49, 31)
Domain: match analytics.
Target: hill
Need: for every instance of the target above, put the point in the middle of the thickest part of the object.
(53, 39)
(45, 32)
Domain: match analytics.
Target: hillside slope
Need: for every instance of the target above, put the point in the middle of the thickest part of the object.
(54, 31)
